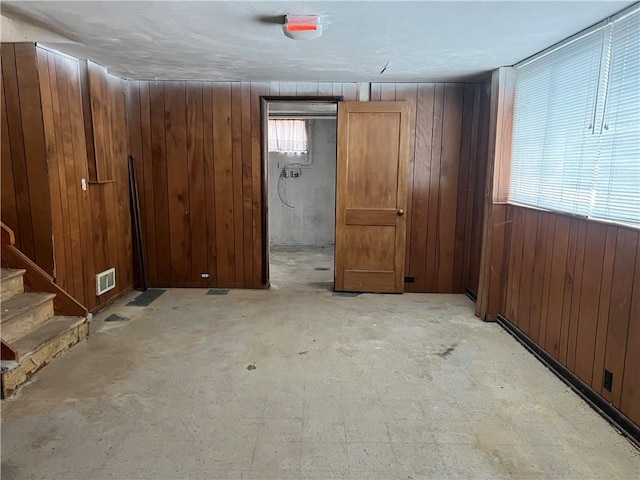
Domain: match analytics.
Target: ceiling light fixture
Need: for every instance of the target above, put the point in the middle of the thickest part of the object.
(302, 27)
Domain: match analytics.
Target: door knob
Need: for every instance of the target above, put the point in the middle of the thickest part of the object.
(400, 212)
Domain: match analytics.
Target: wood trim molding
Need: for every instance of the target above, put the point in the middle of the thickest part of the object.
(496, 193)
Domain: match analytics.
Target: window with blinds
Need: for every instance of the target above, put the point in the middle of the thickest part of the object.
(576, 131)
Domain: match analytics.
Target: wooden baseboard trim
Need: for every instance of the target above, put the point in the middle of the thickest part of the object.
(112, 300)
(471, 295)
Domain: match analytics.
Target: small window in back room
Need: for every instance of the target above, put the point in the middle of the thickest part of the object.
(288, 136)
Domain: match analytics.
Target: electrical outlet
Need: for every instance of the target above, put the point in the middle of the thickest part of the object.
(607, 382)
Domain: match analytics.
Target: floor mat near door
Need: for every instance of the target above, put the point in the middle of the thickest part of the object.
(146, 298)
(218, 291)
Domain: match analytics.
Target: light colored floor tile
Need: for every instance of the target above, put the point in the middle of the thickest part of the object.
(367, 429)
(403, 430)
(408, 409)
(223, 430)
(168, 394)
(324, 474)
(438, 410)
(362, 407)
(495, 431)
(536, 433)
(420, 460)
(276, 456)
(175, 473)
(556, 462)
(385, 474)
(284, 406)
(223, 474)
(232, 406)
(318, 429)
(371, 457)
(324, 456)
(280, 430)
(465, 461)
(323, 384)
(227, 455)
(328, 407)
(452, 432)
(156, 449)
(267, 474)
(605, 460)
(28, 472)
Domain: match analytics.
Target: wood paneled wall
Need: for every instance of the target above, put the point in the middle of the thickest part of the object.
(92, 226)
(198, 150)
(478, 193)
(198, 155)
(446, 156)
(25, 185)
(573, 287)
(100, 120)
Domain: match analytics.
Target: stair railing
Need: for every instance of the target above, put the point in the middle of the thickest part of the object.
(7, 351)
(36, 279)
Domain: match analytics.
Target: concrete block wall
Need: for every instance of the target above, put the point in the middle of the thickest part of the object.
(311, 221)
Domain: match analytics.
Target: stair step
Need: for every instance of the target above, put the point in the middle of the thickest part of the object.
(12, 283)
(24, 313)
(47, 332)
(41, 346)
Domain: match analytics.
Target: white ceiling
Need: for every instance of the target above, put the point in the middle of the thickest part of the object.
(421, 41)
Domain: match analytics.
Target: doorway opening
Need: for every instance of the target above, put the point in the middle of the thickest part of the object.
(301, 137)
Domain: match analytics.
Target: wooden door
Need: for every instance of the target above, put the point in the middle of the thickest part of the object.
(371, 196)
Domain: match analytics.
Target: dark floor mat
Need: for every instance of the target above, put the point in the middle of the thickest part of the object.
(218, 291)
(146, 298)
(345, 294)
(114, 317)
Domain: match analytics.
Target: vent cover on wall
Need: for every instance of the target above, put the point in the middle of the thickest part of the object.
(105, 281)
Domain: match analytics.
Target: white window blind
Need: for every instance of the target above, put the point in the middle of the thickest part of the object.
(617, 182)
(576, 125)
(288, 136)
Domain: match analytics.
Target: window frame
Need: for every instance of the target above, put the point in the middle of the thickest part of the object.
(598, 119)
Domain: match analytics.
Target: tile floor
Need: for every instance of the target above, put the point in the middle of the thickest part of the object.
(368, 387)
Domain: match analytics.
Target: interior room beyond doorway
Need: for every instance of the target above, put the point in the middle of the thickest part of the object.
(302, 186)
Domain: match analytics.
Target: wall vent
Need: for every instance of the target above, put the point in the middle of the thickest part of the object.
(105, 281)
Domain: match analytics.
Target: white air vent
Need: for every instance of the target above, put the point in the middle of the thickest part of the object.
(105, 281)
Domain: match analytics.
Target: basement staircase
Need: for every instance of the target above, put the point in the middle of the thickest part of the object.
(35, 326)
